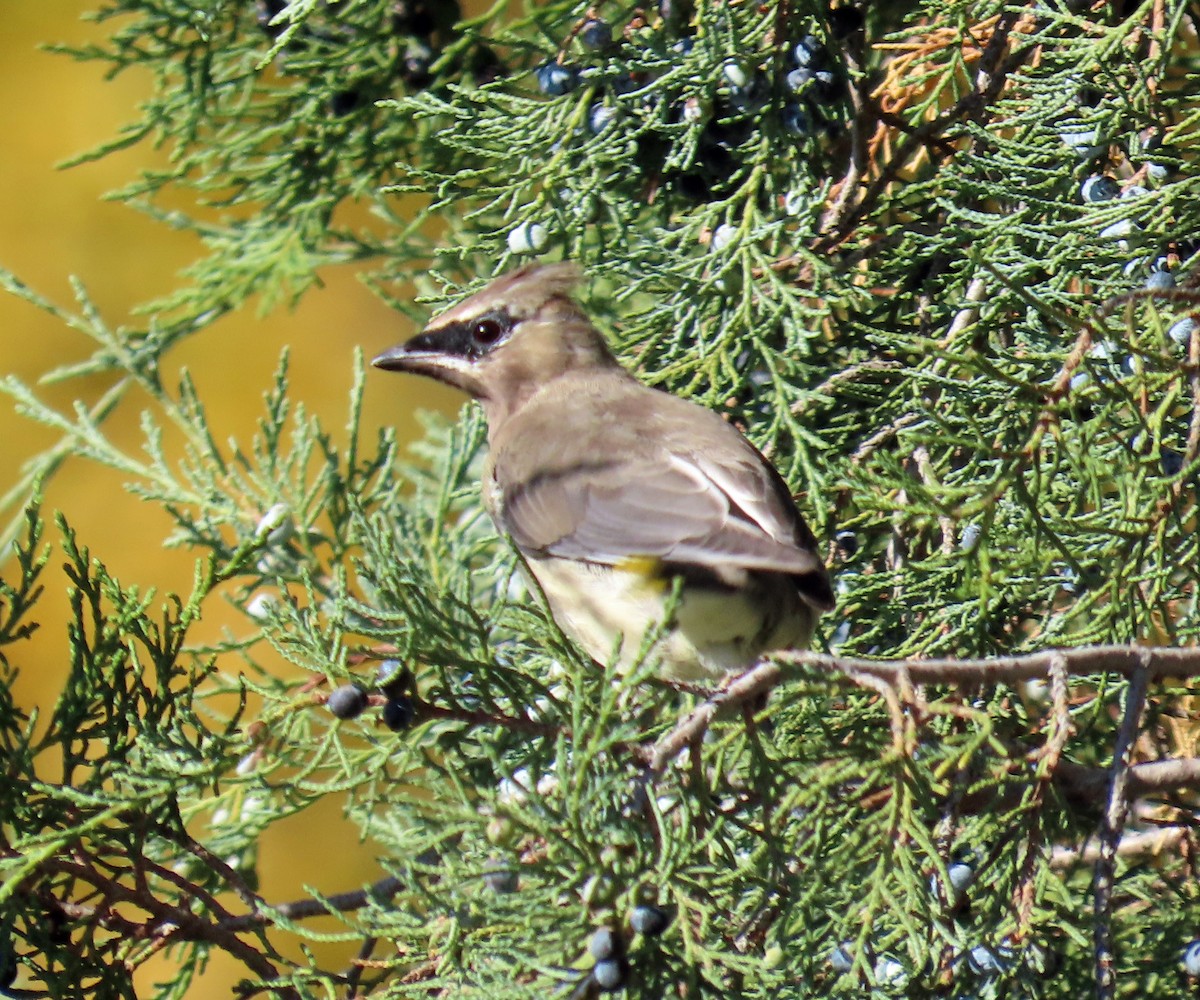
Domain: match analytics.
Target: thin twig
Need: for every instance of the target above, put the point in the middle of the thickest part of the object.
(882, 436)
(1048, 760)
(976, 293)
(1111, 828)
(341, 902)
(478, 717)
(359, 965)
(990, 80)
(848, 374)
(925, 467)
(170, 921)
(860, 122)
(1166, 838)
(749, 685)
(887, 691)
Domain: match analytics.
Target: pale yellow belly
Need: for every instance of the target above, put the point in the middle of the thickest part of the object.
(612, 613)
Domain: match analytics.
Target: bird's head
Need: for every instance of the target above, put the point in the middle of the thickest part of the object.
(504, 342)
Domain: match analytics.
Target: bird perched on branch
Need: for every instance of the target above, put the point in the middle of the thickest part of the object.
(629, 505)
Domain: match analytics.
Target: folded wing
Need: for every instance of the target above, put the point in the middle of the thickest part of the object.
(681, 508)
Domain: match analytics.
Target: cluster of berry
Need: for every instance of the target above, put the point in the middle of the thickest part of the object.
(981, 962)
(421, 29)
(1101, 188)
(607, 947)
(742, 98)
(816, 88)
(399, 710)
(610, 973)
(1145, 161)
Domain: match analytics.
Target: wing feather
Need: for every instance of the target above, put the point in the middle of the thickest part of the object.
(674, 507)
(600, 468)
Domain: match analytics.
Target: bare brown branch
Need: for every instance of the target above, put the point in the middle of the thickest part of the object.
(1146, 842)
(1159, 662)
(1149, 778)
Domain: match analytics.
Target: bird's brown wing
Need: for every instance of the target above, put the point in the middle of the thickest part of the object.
(720, 510)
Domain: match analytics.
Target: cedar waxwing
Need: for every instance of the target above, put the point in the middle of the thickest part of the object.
(616, 493)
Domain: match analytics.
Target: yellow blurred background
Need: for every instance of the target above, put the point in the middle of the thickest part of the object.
(55, 224)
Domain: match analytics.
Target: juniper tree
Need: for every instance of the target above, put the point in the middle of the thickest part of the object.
(936, 260)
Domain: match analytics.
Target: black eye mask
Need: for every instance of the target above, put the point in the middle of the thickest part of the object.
(471, 338)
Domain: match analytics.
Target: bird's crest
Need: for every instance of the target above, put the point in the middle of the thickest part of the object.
(520, 293)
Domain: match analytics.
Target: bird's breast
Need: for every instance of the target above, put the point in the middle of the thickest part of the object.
(616, 612)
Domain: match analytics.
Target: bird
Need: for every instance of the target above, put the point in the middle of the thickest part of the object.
(646, 519)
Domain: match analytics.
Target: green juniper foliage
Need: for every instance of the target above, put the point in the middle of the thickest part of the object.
(936, 258)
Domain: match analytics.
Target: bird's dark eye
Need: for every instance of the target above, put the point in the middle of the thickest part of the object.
(487, 331)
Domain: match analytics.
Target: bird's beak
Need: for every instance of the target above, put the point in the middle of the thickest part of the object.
(402, 358)
(429, 349)
(426, 354)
